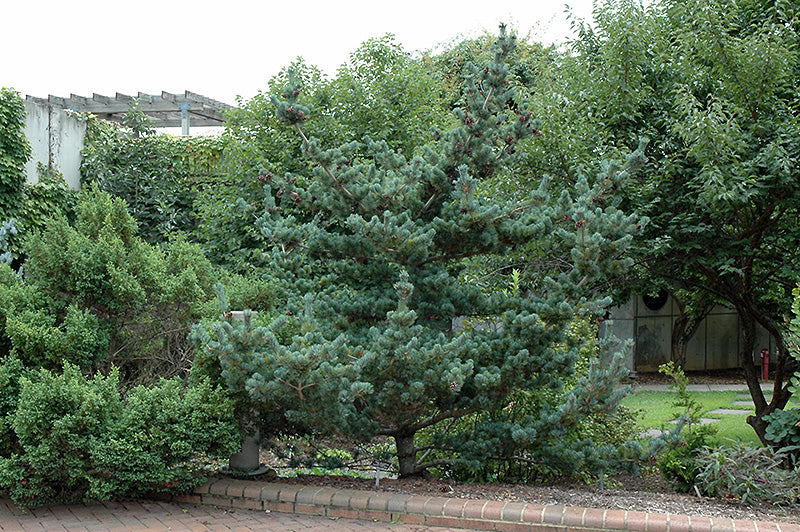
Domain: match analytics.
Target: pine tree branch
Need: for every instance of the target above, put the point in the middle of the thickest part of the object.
(338, 184)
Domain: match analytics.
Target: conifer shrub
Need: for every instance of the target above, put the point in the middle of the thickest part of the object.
(96, 295)
(368, 246)
(78, 438)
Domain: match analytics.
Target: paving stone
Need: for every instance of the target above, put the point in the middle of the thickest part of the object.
(727, 411)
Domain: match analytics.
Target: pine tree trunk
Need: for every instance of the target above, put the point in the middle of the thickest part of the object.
(406, 455)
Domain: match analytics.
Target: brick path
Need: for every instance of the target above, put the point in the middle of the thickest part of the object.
(237, 505)
(157, 516)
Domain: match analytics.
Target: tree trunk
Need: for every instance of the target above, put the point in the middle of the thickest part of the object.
(684, 330)
(406, 455)
(780, 394)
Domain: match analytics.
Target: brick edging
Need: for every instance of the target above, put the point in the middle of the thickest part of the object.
(451, 512)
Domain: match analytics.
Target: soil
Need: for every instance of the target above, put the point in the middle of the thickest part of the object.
(647, 492)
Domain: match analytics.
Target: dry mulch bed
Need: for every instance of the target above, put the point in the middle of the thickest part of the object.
(647, 492)
(644, 493)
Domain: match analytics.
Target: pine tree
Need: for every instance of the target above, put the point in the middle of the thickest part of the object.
(373, 241)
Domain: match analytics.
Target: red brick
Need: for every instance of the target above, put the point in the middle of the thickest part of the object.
(573, 516)
(359, 500)
(375, 515)
(493, 510)
(505, 526)
(235, 489)
(594, 518)
(477, 524)
(512, 511)
(288, 493)
(442, 520)
(659, 523)
(397, 503)
(554, 528)
(473, 509)
(785, 527)
(723, 525)
(553, 514)
(341, 499)
(411, 519)
(270, 492)
(435, 506)
(252, 504)
(746, 526)
(215, 500)
(533, 513)
(454, 507)
(281, 507)
(306, 495)
(348, 513)
(378, 501)
(252, 491)
(416, 504)
(219, 488)
(637, 521)
(765, 526)
(677, 523)
(308, 509)
(203, 488)
(323, 497)
(700, 524)
(615, 519)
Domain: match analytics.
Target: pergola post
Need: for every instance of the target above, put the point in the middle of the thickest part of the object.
(184, 107)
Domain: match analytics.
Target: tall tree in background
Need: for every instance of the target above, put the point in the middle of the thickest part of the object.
(372, 241)
(712, 84)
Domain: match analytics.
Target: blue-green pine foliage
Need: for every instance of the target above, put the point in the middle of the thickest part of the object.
(369, 244)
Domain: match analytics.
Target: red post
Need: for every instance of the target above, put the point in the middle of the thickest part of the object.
(765, 364)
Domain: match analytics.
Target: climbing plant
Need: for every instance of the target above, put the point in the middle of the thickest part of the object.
(14, 151)
(157, 175)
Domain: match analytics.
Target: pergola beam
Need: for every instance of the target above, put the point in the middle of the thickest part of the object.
(166, 109)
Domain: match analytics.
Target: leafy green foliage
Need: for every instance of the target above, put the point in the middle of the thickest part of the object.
(720, 184)
(749, 474)
(14, 151)
(157, 175)
(78, 439)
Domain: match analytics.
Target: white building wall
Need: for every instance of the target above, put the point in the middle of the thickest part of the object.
(56, 137)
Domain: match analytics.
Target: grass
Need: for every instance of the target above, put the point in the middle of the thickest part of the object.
(655, 410)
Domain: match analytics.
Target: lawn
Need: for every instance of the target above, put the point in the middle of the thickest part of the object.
(655, 410)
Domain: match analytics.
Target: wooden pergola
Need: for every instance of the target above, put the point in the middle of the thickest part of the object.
(165, 109)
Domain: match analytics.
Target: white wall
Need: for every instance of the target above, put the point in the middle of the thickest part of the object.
(56, 137)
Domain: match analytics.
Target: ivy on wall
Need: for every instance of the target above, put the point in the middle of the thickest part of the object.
(157, 175)
(14, 151)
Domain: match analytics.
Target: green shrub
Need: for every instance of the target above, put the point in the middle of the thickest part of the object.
(95, 294)
(57, 419)
(750, 474)
(11, 372)
(78, 439)
(678, 463)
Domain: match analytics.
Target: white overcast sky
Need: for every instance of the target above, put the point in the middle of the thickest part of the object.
(227, 48)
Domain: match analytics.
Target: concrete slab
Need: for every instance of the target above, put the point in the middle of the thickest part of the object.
(729, 411)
